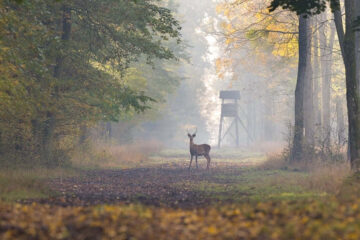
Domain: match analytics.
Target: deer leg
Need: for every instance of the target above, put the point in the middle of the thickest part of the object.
(208, 161)
(196, 156)
(190, 161)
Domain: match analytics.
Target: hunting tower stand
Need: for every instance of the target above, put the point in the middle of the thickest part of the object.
(230, 110)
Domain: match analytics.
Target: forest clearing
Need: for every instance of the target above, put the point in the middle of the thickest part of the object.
(241, 197)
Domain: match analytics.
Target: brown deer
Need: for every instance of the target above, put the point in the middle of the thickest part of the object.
(199, 150)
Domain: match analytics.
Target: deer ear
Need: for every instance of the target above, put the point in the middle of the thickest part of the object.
(194, 135)
(189, 135)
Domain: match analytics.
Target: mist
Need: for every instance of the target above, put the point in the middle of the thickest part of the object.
(211, 66)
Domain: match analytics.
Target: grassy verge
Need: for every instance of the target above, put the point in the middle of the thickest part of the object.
(257, 178)
(116, 156)
(252, 185)
(18, 183)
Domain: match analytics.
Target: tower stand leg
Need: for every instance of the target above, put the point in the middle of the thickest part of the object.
(247, 130)
(237, 132)
(229, 128)
(220, 129)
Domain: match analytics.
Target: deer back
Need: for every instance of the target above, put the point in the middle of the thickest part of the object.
(202, 149)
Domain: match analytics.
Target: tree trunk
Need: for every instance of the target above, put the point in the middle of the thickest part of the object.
(326, 89)
(268, 121)
(108, 131)
(1, 144)
(340, 121)
(304, 34)
(48, 134)
(48, 139)
(84, 134)
(316, 78)
(326, 63)
(65, 36)
(352, 82)
(308, 96)
(356, 27)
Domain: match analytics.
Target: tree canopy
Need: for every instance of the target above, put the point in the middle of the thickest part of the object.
(308, 7)
(63, 65)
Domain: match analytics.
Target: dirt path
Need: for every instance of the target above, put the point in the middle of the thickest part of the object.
(165, 185)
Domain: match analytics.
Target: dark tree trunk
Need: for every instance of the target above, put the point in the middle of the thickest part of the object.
(1, 144)
(37, 136)
(326, 62)
(304, 34)
(349, 52)
(316, 78)
(48, 139)
(65, 36)
(108, 131)
(84, 134)
(340, 121)
(48, 134)
(352, 84)
(309, 97)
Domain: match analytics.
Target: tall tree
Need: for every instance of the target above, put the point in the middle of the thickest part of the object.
(316, 77)
(340, 121)
(349, 41)
(304, 58)
(326, 51)
(309, 117)
(352, 69)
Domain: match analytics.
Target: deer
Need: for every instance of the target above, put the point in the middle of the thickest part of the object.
(198, 150)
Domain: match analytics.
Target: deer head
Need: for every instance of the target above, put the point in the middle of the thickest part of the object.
(191, 136)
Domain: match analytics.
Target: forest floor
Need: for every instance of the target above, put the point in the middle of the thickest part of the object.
(165, 181)
(160, 198)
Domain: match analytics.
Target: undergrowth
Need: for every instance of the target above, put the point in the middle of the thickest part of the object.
(19, 183)
(318, 175)
(115, 156)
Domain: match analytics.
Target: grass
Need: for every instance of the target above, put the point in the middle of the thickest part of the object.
(223, 153)
(19, 184)
(151, 154)
(218, 157)
(258, 178)
(236, 175)
(115, 156)
(253, 185)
